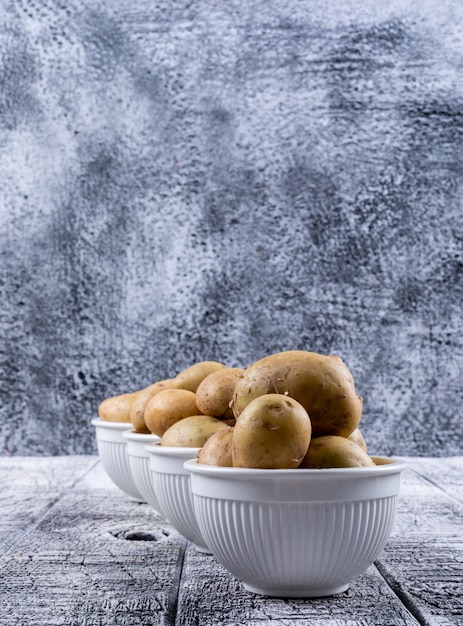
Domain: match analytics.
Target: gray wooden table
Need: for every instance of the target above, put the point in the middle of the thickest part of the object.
(76, 551)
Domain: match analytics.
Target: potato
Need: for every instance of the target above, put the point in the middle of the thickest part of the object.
(218, 449)
(167, 407)
(117, 408)
(322, 384)
(137, 410)
(334, 451)
(358, 438)
(273, 431)
(192, 431)
(215, 392)
(191, 377)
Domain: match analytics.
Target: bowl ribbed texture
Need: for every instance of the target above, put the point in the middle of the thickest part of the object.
(141, 472)
(115, 460)
(176, 503)
(297, 532)
(303, 548)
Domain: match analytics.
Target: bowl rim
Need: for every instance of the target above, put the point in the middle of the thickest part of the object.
(172, 451)
(97, 421)
(132, 435)
(383, 466)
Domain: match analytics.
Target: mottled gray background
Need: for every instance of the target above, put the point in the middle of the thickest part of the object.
(221, 180)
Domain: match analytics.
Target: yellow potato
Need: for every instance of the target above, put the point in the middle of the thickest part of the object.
(218, 449)
(192, 431)
(273, 431)
(322, 384)
(333, 451)
(358, 438)
(137, 409)
(215, 392)
(116, 408)
(191, 377)
(167, 407)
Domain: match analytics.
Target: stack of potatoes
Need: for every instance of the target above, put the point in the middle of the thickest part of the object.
(187, 398)
(289, 410)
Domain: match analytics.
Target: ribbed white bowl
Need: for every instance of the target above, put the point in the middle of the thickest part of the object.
(139, 461)
(296, 533)
(112, 450)
(172, 484)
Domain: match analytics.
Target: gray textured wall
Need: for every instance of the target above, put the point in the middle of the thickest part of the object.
(220, 180)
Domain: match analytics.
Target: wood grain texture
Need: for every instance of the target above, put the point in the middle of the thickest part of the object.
(423, 561)
(222, 180)
(96, 558)
(209, 595)
(28, 490)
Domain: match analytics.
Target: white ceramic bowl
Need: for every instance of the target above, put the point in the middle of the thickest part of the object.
(139, 461)
(299, 532)
(112, 450)
(172, 484)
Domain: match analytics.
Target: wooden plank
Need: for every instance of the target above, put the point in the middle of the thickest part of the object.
(427, 577)
(94, 558)
(209, 595)
(81, 553)
(29, 486)
(423, 561)
(445, 473)
(425, 506)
